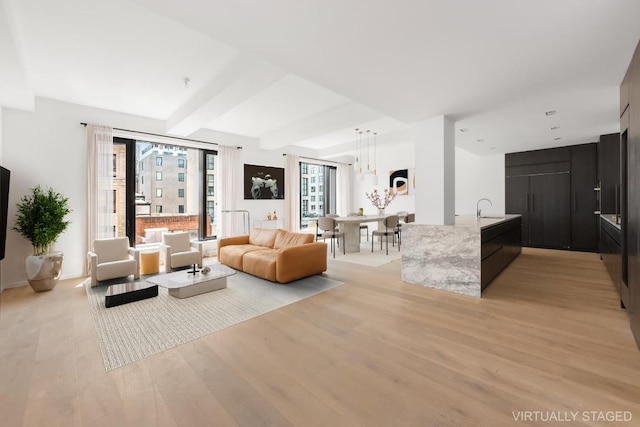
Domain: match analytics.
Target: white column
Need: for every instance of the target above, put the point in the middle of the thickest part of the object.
(435, 171)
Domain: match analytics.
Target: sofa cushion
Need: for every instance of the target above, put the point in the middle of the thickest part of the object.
(262, 237)
(179, 242)
(285, 239)
(183, 259)
(261, 263)
(114, 249)
(111, 270)
(232, 255)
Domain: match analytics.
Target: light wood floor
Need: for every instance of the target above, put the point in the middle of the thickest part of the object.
(547, 336)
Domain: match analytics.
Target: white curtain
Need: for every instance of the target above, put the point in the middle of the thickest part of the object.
(231, 223)
(100, 184)
(343, 189)
(292, 193)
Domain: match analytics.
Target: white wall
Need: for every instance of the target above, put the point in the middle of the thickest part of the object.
(478, 177)
(390, 156)
(48, 146)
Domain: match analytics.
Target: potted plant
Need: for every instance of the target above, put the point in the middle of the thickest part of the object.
(41, 219)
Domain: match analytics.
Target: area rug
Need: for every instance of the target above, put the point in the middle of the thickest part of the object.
(366, 257)
(130, 332)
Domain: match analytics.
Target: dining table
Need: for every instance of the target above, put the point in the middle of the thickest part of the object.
(350, 226)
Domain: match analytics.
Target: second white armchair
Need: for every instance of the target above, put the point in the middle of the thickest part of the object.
(179, 251)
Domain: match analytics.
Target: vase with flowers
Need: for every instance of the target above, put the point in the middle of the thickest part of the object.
(380, 200)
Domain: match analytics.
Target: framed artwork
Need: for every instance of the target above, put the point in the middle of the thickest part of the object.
(263, 182)
(402, 182)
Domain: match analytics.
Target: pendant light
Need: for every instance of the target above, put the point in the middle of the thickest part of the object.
(374, 178)
(356, 163)
(360, 173)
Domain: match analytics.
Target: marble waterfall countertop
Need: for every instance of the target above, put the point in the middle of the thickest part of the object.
(447, 257)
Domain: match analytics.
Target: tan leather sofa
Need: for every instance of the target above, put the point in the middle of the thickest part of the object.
(276, 255)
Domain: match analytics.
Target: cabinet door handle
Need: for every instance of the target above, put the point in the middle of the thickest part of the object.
(575, 203)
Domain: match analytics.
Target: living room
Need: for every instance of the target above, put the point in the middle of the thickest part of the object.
(377, 350)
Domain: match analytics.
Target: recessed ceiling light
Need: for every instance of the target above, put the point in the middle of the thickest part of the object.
(550, 113)
(480, 140)
(555, 127)
(463, 130)
(557, 138)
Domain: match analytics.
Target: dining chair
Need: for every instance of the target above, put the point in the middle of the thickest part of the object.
(390, 224)
(328, 227)
(362, 227)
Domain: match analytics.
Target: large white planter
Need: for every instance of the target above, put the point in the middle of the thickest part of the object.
(43, 271)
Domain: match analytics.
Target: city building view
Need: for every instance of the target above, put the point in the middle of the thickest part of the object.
(167, 191)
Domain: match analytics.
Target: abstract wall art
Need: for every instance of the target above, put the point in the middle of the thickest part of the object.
(402, 182)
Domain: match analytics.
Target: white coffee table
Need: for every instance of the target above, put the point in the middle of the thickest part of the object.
(184, 285)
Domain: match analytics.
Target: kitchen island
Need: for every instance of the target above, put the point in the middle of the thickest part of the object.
(462, 258)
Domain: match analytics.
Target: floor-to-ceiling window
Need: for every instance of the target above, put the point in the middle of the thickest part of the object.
(317, 192)
(161, 187)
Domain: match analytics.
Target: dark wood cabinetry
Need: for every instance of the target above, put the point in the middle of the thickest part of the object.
(553, 190)
(611, 254)
(631, 223)
(584, 177)
(609, 173)
(501, 244)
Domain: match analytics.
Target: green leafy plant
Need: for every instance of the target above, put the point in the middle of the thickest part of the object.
(40, 218)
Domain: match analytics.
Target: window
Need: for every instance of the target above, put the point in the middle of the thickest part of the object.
(210, 191)
(115, 210)
(158, 161)
(320, 198)
(303, 168)
(211, 162)
(115, 162)
(140, 209)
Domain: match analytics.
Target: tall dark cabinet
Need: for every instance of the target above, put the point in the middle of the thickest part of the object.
(630, 137)
(553, 190)
(584, 200)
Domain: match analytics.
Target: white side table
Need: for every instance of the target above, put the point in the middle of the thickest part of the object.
(268, 223)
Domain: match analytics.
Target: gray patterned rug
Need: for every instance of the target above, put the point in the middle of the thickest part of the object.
(130, 332)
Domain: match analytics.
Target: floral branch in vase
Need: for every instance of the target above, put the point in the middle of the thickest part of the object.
(381, 201)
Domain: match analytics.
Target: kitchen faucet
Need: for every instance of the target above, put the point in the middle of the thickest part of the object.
(478, 210)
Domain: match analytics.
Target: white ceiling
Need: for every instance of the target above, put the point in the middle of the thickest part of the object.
(308, 73)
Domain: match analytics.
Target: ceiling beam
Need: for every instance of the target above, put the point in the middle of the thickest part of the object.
(346, 116)
(239, 81)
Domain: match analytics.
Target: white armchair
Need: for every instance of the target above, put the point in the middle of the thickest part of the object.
(179, 251)
(113, 258)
